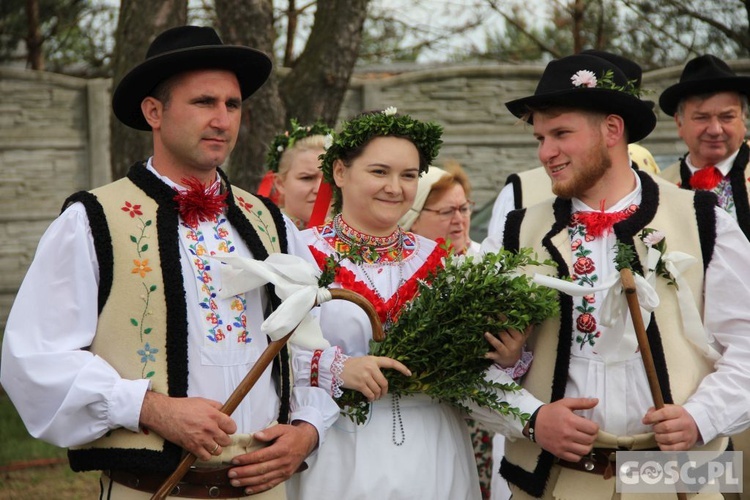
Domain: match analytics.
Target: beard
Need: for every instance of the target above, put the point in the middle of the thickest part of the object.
(590, 169)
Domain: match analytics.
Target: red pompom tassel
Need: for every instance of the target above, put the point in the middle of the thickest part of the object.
(199, 203)
(706, 178)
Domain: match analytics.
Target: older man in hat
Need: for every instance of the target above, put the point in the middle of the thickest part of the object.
(587, 390)
(709, 105)
(526, 188)
(119, 344)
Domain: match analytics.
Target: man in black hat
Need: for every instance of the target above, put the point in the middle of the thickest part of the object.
(134, 349)
(587, 391)
(532, 186)
(709, 105)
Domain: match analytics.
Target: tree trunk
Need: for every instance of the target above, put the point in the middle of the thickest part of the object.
(250, 23)
(291, 32)
(313, 89)
(35, 59)
(138, 24)
(577, 14)
(316, 86)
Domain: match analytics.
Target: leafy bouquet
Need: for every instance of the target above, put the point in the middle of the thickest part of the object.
(439, 336)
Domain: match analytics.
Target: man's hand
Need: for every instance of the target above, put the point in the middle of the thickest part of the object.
(674, 428)
(562, 432)
(363, 374)
(195, 424)
(263, 469)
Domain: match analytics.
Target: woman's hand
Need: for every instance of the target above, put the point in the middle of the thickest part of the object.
(507, 346)
(364, 374)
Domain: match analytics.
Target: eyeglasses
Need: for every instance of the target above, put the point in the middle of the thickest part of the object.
(447, 213)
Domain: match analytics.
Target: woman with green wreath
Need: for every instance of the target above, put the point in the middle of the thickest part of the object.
(409, 447)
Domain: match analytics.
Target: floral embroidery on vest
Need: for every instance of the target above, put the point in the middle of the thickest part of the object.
(259, 224)
(217, 329)
(141, 270)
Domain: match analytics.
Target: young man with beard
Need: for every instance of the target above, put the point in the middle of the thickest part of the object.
(587, 390)
(529, 187)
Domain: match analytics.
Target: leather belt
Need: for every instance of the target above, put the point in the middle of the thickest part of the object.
(600, 461)
(197, 483)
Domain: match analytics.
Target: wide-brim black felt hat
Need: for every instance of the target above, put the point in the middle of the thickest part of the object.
(632, 69)
(180, 49)
(705, 74)
(588, 82)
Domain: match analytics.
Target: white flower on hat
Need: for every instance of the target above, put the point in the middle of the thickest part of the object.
(328, 142)
(584, 78)
(280, 148)
(390, 111)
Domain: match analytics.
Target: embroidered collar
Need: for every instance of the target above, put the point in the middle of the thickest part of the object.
(386, 309)
(195, 202)
(354, 237)
(372, 249)
(391, 253)
(298, 223)
(169, 182)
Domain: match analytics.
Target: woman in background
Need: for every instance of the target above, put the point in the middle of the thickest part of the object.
(442, 210)
(294, 159)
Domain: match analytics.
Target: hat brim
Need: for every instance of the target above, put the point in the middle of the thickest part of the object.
(638, 114)
(671, 97)
(251, 66)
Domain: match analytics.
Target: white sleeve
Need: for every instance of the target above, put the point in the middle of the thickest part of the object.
(65, 394)
(509, 426)
(504, 204)
(721, 404)
(311, 404)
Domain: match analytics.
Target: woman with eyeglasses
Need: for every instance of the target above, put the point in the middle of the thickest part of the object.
(442, 208)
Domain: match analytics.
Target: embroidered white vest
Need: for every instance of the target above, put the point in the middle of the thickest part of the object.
(133, 322)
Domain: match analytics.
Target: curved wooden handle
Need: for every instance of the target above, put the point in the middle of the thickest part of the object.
(377, 328)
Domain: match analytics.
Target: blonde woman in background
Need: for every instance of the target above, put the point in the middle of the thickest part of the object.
(294, 157)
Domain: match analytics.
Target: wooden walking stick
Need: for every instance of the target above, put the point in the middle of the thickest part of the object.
(628, 284)
(254, 374)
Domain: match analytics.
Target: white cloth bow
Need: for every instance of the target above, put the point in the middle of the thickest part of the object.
(621, 341)
(296, 283)
(677, 263)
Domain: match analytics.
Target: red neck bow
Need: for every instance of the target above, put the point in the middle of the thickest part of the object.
(597, 223)
(706, 178)
(198, 202)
